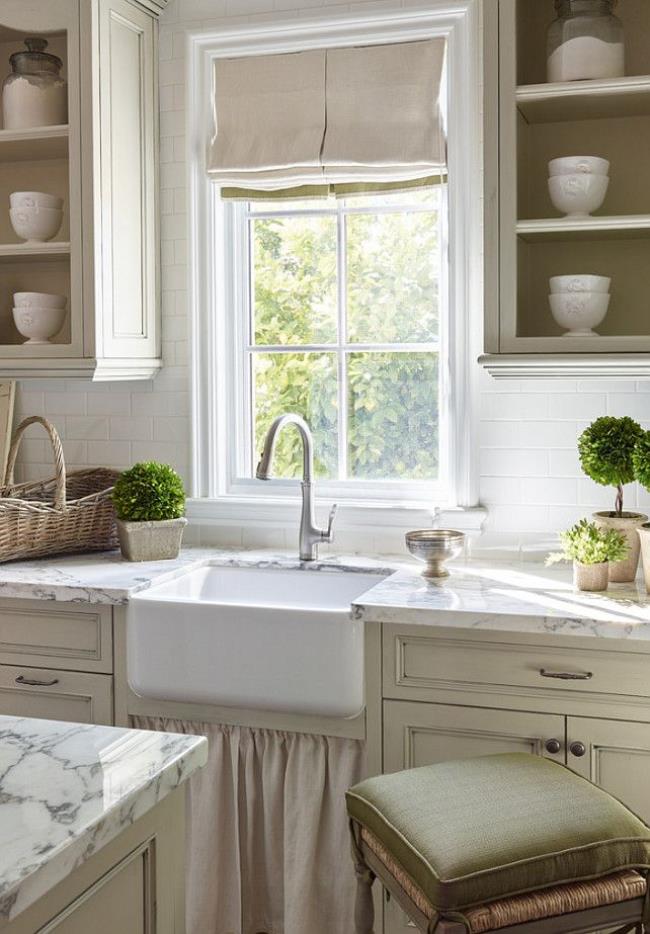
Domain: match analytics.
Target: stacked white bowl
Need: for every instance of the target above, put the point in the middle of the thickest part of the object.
(35, 215)
(579, 303)
(39, 316)
(578, 184)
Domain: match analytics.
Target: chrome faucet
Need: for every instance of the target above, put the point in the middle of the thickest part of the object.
(310, 535)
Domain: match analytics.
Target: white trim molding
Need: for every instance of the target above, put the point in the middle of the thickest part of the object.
(459, 22)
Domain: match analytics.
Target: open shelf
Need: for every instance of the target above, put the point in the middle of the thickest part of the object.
(47, 142)
(630, 227)
(584, 100)
(25, 252)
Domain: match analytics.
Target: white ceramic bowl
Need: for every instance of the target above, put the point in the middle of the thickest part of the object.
(36, 224)
(39, 324)
(580, 284)
(578, 165)
(578, 195)
(38, 300)
(579, 312)
(35, 199)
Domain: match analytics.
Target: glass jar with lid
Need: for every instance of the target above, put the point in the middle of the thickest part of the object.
(34, 94)
(585, 41)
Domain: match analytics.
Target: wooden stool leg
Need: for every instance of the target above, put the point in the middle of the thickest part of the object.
(364, 909)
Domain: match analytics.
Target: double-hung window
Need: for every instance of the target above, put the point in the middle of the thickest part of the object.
(349, 309)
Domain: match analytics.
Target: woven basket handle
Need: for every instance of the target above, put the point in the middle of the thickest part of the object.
(57, 448)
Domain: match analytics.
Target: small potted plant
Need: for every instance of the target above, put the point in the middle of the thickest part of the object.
(606, 448)
(149, 501)
(641, 463)
(591, 548)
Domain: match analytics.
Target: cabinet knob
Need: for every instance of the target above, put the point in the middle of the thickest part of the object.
(553, 746)
(577, 749)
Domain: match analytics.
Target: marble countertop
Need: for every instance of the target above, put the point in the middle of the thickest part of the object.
(66, 790)
(511, 597)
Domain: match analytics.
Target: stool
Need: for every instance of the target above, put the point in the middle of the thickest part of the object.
(514, 843)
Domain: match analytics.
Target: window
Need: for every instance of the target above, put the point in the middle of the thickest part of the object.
(353, 312)
(342, 315)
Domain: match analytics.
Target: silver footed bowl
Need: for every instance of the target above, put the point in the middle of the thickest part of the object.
(434, 547)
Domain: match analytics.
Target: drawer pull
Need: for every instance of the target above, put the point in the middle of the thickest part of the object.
(38, 684)
(567, 675)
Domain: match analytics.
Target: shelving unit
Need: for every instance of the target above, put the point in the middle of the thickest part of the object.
(528, 123)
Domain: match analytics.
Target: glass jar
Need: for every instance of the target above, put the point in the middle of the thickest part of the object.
(585, 41)
(34, 94)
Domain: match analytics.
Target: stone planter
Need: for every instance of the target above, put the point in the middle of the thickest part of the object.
(623, 572)
(591, 577)
(151, 541)
(644, 537)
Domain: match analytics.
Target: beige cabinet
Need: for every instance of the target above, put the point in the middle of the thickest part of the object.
(103, 163)
(51, 694)
(422, 734)
(615, 756)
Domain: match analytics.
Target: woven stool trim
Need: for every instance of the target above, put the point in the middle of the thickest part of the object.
(545, 903)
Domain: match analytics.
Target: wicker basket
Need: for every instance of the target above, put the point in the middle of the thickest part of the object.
(65, 514)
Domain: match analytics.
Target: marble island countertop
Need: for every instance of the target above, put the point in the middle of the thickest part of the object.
(511, 597)
(66, 790)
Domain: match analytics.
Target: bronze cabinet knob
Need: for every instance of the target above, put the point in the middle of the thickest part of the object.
(577, 749)
(553, 746)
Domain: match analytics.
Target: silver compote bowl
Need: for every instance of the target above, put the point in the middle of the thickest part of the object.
(434, 547)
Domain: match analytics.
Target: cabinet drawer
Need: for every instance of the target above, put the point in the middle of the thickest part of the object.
(416, 662)
(56, 695)
(59, 635)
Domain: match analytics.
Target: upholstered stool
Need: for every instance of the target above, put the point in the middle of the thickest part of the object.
(511, 843)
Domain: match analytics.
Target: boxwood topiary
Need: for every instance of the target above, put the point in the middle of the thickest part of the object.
(641, 460)
(148, 492)
(606, 449)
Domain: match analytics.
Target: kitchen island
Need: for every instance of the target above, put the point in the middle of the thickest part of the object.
(92, 827)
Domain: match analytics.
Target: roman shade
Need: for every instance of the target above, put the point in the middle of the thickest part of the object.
(329, 117)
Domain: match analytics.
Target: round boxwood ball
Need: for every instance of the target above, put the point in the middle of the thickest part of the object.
(149, 492)
(606, 448)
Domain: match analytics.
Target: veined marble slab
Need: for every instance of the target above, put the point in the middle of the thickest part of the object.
(105, 577)
(66, 790)
(521, 597)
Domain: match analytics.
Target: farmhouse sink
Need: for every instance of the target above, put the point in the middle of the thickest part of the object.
(261, 638)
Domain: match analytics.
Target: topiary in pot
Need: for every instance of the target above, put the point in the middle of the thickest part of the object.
(606, 448)
(641, 464)
(591, 548)
(149, 501)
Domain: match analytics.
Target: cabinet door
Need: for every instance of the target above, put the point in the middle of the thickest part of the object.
(421, 734)
(50, 694)
(128, 132)
(616, 757)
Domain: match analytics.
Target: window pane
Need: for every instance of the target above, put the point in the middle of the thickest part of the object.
(306, 384)
(422, 197)
(393, 270)
(294, 275)
(393, 416)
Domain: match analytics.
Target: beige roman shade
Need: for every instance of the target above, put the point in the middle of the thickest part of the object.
(329, 117)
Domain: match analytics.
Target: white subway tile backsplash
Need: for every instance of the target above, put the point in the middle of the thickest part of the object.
(130, 428)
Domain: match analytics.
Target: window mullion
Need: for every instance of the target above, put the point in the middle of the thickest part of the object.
(342, 361)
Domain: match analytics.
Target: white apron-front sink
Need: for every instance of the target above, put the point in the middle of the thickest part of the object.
(261, 638)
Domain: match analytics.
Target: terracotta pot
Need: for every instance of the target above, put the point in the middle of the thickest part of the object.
(151, 541)
(623, 572)
(591, 577)
(644, 536)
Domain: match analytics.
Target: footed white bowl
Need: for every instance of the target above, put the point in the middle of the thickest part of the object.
(38, 325)
(36, 224)
(38, 300)
(578, 165)
(579, 312)
(580, 284)
(35, 199)
(578, 195)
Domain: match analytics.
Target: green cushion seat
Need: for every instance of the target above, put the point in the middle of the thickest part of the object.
(474, 830)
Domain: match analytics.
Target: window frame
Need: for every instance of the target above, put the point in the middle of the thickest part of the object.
(213, 290)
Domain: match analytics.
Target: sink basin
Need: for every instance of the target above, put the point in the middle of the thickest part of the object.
(260, 638)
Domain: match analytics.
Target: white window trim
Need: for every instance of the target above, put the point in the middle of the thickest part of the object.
(458, 21)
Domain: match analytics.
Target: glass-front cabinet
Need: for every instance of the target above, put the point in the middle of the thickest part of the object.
(567, 105)
(79, 269)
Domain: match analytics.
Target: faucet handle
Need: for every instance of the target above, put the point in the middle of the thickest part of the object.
(328, 535)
